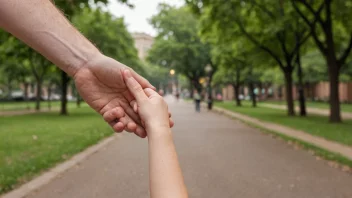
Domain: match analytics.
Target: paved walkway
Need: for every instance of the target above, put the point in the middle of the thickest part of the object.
(325, 112)
(332, 146)
(220, 157)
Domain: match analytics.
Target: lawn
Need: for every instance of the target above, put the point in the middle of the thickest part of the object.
(16, 106)
(313, 124)
(320, 105)
(32, 143)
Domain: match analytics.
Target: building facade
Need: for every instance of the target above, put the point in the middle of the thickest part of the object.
(143, 42)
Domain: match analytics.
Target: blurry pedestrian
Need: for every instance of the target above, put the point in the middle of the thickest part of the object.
(177, 95)
(197, 98)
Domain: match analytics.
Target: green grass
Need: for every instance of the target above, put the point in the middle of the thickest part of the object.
(319, 105)
(313, 124)
(327, 155)
(17, 106)
(32, 143)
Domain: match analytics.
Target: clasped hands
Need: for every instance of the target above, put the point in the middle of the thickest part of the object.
(126, 100)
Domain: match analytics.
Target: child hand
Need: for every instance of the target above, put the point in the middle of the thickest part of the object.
(152, 108)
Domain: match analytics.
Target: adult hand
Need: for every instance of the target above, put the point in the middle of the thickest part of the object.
(101, 85)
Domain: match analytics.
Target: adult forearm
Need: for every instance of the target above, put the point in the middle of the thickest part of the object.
(166, 178)
(42, 26)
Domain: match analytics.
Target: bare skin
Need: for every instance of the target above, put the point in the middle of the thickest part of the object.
(98, 78)
(166, 179)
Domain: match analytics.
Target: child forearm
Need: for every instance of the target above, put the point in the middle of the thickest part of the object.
(166, 178)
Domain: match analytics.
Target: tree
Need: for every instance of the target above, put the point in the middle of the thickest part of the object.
(269, 25)
(71, 9)
(330, 26)
(178, 45)
(230, 76)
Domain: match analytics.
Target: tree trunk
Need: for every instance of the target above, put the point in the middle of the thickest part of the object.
(236, 89)
(210, 90)
(253, 96)
(78, 101)
(26, 85)
(9, 89)
(301, 97)
(39, 95)
(49, 97)
(191, 88)
(289, 95)
(335, 114)
(64, 83)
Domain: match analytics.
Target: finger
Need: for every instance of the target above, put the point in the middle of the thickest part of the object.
(124, 121)
(134, 106)
(113, 114)
(140, 132)
(131, 127)
(131, 115)
(134, 87)
(118, 127)
(128, 96)
(142, 81)
(171, 122)
(150, 92)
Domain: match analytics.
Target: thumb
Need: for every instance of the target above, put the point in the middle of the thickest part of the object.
(133, 86)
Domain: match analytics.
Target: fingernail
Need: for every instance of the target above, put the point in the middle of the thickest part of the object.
(127, 73)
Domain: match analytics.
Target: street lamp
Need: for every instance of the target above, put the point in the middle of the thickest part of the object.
(174, 86)
(208, 70)
(172, 72)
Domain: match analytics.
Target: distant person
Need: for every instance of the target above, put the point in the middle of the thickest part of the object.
(98, 78)
(197, 100)
(165, 174)
(177, 95)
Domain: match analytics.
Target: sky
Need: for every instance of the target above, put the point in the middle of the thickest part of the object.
(136, 18)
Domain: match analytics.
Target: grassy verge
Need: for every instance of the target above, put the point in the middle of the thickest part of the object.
(17, 106)
(318, 105)
(313, 124)
(30, 144)
(317, 151)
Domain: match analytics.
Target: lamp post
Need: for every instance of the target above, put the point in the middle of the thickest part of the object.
(174, 86)
(208, 69)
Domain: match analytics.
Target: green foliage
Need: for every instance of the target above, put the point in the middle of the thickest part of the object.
(109, 34)
(178, 45)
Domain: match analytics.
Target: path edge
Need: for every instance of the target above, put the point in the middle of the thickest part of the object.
(333, 147)
(59, 169)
